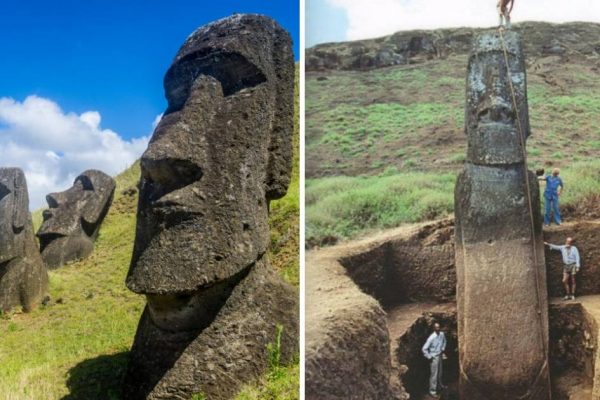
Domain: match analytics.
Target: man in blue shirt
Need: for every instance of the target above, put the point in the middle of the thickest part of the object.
(433, 350)
(572, 263)
(554, 186)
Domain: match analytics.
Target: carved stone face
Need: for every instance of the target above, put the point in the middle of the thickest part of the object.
(220, 153)
(14, 213)
(73, 218)
(491, 120)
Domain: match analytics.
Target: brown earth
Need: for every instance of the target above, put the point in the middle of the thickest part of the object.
(410, 271)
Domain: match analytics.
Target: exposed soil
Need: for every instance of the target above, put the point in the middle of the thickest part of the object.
(410, 272)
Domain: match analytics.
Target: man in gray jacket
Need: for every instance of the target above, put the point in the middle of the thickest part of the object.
(572, 262)
(433, 350)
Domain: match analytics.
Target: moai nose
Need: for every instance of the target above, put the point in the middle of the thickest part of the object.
(54, 200)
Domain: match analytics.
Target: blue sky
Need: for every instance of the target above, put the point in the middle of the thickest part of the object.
(81, 81)
(324, 22)
(108, 56)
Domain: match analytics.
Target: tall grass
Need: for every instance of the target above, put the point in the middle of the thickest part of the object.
(346, 207)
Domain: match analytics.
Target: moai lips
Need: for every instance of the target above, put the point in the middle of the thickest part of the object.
(23, 276)
(221, 152)
(501, 282)
(73, 219)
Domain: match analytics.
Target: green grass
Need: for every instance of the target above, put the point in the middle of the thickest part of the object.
(76, 347)
(345, 207)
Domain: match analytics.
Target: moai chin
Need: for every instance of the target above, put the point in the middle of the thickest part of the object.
(221, 152)
(73, 219)
(501, 290)
(23, 275)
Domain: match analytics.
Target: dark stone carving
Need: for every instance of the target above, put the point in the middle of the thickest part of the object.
(221, 152)
(23, 276)
(73, 220)
(501, 290)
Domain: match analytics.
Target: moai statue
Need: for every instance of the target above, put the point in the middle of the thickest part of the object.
(501, 288)
(23, 276)
(72, 222)
(220, 154)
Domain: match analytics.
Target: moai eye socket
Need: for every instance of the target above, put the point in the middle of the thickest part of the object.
(4, 191)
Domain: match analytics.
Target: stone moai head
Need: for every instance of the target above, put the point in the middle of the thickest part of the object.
(72, 221)
(23, 276)
(220, 153)
(14, 214)
(492, 125)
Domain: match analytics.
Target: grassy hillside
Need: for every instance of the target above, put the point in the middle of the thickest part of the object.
(76, 346)
(383, 144)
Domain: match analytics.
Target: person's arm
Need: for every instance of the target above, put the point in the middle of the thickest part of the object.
(577, 258)
(553, 246)
(444, 342)
(512, 3)
(425, 348)
(560, 187)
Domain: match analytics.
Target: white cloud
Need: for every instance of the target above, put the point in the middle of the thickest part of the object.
(372, 18)
(53, 147)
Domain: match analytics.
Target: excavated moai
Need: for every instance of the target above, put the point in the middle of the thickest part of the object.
(221, 152)
(73, 219)
(501, 282)
(23, 276)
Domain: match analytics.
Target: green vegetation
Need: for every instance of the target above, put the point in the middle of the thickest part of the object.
(345, 206)
(76, 347)
(280, 383)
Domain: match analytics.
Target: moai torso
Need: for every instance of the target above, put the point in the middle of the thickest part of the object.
(73, 219)
(501, 283)
(221, 152)
(23, 275)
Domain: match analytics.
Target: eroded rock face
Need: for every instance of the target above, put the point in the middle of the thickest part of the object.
(221, 152)
(23, 276)
(73, 219)
(501, 281)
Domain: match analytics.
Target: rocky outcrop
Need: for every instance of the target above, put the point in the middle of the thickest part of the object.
(23, 275)
(73, 219)
(410, 47)
(221, 152)
(501, 278)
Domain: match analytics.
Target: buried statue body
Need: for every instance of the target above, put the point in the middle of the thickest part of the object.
(501, 281)
(73, 219)
(23, 275)
(221, 152)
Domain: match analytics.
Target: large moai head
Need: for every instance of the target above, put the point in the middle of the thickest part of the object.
(501, 282)
(72, 221)
(23, 276)
(14, 214)
(220, 153)
(493, 126)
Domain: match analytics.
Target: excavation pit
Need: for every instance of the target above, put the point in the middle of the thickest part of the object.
(413, 279)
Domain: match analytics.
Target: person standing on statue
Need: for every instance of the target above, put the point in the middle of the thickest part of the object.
(433, 350)
(572, 262)
(554, 187)
(504, 11)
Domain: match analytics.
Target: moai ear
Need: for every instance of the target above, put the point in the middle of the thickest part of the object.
(20, 203)
(280, 147)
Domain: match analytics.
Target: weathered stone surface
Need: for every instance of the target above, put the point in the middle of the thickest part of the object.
(220, 154)
(23, 276)
(73, 219)
(501, 280)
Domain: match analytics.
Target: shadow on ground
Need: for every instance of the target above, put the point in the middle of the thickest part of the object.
(97, 378)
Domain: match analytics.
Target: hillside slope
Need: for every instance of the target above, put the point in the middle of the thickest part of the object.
(384, 121)
(76, 347)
